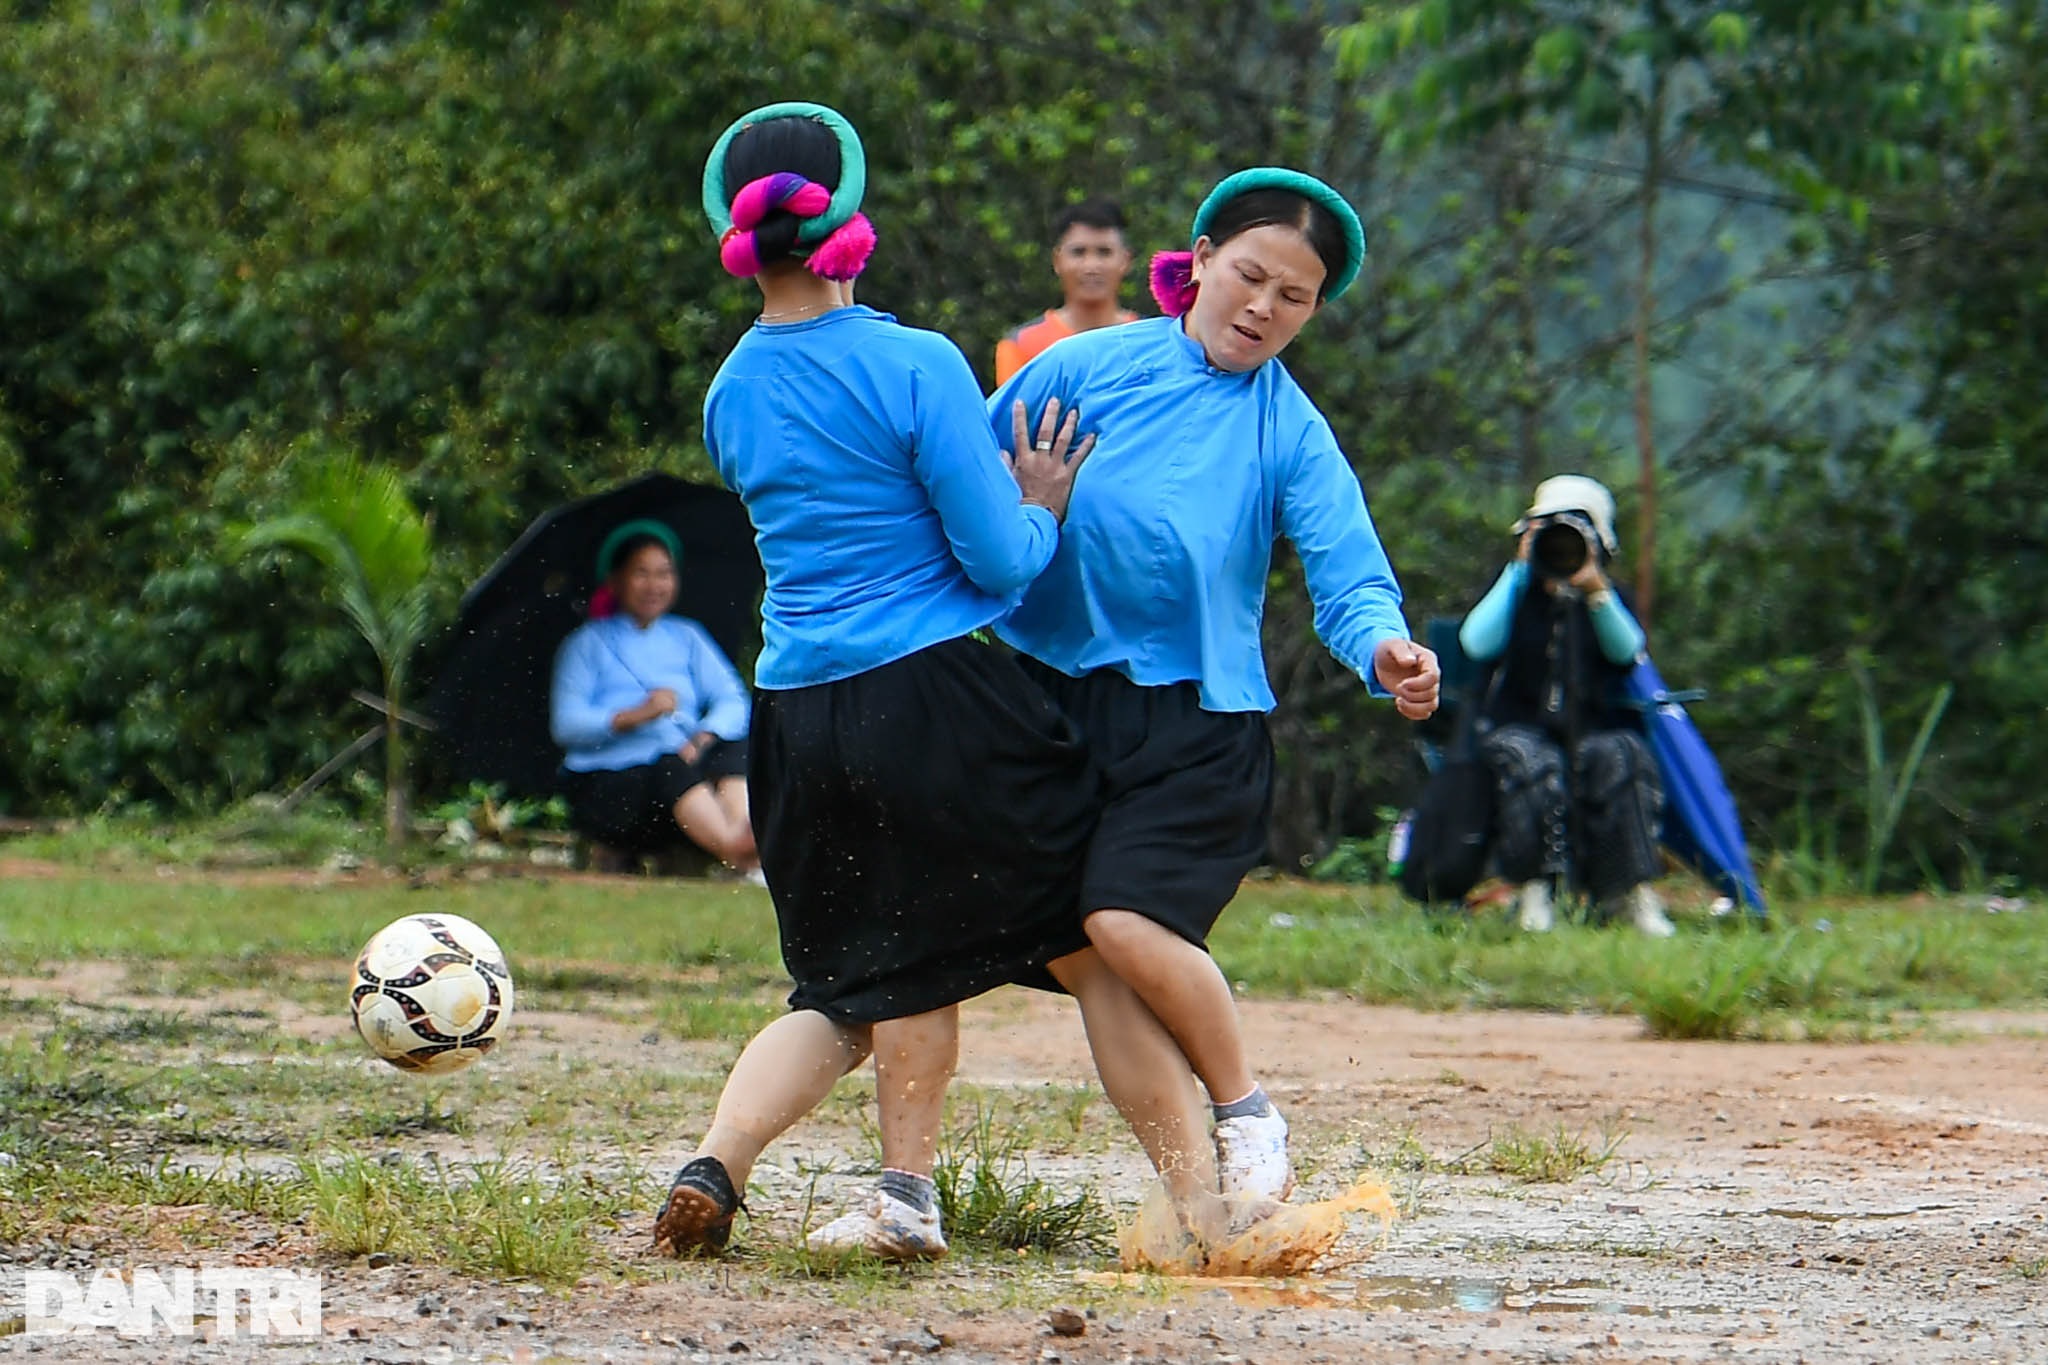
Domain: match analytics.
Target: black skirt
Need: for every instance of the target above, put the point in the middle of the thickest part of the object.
(1187, 796)
(923, 827)
(634, 808)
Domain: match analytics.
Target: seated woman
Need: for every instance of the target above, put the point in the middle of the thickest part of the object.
(651, 716)
(1564, 646)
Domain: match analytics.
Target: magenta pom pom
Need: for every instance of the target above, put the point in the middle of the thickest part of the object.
(603, 602)
(1173, 281)
(738, 254)
(845, 253)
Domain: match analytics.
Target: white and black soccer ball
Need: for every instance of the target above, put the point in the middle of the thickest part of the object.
(432, 993)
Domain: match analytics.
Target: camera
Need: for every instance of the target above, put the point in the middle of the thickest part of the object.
(1562, 544)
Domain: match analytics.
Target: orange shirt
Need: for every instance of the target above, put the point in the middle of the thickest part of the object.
(1027, 341)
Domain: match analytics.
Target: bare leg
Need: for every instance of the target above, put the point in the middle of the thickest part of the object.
(1185, 988)
(713, 828)
(786, 1071)
(732, 799)
(1148, 1081)
(914, 1062)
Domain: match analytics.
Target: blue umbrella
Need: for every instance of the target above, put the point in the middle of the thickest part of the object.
(1700, 821)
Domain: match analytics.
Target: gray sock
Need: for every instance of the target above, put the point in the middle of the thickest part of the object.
(914, 1190)
(1250, 1107)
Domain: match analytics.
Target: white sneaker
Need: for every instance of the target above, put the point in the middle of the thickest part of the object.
(754, 876)
(1251, 1156)
(1538, 916)
(1646, 911)
(884, 1226)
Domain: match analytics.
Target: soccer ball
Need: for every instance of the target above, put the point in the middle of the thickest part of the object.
(432, 993)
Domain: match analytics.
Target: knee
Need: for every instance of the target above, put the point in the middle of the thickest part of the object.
(1612, 759)
(1124, 938)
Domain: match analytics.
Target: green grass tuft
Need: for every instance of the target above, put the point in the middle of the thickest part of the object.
(989, 1198)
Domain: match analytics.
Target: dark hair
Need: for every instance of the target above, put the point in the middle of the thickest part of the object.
(791, 143)
(1095, 213)
(1284, 208)
(623, 553)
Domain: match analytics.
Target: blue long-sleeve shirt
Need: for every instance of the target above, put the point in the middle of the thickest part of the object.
(610, 665)
(1161, 568)
(1484, 633)
(885, 517)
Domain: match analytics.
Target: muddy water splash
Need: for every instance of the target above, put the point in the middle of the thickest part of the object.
(1286, 1242)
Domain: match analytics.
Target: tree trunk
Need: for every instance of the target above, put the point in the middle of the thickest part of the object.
(1518, 199)
(396, 819)
(1646, 310)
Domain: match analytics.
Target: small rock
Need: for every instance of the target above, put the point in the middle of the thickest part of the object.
(737, 1348)
(377, 1260)
(923, 1344)
(514, 1320)
(1930, 1331)
(1065, 1322)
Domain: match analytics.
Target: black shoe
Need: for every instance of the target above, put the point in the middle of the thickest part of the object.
(697, 1219)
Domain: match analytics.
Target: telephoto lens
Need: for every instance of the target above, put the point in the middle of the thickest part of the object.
(1562, 545)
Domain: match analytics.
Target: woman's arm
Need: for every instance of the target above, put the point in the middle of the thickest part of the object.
(574, 718)
(1323, 512)
(1484, 636)
(718, 684)
(1001, 543)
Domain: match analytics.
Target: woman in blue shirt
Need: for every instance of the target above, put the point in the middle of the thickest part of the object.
(650, 715)
(1145, 626)
(922, 809)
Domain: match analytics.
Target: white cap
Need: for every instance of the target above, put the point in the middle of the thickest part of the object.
(1574, 493)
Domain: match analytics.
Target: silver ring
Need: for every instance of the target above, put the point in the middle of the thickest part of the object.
(1043, 445)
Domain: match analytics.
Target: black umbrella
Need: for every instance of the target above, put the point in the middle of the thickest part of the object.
(491, 697)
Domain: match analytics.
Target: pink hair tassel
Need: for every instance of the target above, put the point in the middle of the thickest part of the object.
(845, 253)
(1173, 282)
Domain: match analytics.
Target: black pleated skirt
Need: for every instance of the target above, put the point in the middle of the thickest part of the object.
(923, 826)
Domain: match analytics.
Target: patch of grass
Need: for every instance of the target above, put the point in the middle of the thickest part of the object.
(1044, 1118)
(429, 1119)
(1555, 1158)
(2034, 1268)
(246, 836)
(696, 947)
(164, 1028)
(360, 1206)
(502, 1217)
(989, 1198)
(227, 932)
(37, 1195)
(55, 1093)
(725, 1009)
(1851, 964)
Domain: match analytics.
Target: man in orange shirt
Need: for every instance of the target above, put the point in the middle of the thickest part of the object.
(1091, 258)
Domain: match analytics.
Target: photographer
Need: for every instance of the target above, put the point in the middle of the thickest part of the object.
(1565, 640)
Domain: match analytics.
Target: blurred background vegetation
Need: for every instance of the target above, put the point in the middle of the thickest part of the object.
(1773, 269)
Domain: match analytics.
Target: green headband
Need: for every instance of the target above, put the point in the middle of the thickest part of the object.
(1309, 188)
(853, 170)
(626, 531)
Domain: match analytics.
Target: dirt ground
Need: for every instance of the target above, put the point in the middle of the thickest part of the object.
(1767, 1202)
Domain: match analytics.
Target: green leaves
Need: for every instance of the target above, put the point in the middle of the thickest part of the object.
(358, 521)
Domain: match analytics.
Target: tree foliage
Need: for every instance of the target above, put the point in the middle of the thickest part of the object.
(463, 239)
